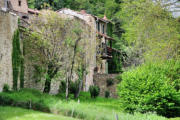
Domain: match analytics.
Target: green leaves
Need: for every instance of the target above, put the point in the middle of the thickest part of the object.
(149, 88)
(150, 29)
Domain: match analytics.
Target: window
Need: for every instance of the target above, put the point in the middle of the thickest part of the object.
(103, 29)
(98, 26)
(19, 2)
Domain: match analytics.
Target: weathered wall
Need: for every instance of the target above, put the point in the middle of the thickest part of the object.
(23, 7)
(89, 39)
(8, 24)
(101, 81)
(1, 3)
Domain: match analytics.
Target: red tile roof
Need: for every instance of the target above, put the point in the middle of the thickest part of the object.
(103, 35)
(31, 11)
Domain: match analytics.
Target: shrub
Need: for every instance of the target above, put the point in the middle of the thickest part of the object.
(110, 82)
(151, 88)
(107, 94)
(94, 91)
(74, 87)
(62, 87)
(6, 88)
(119, 78)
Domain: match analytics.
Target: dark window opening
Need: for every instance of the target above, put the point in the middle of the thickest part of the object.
(25, 17)
(19, 2)
(98, 26)
(103, 29)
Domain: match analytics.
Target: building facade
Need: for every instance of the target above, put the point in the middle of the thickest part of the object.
(98, 50)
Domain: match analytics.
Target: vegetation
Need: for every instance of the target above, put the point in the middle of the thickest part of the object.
(152, 87)
(151, 32)
(107, 94)
(16, 58)
(6, 88)
(110, 82)
(58, 48)
(94, 91)
(87, 108)
(11, 113)
(145, 33)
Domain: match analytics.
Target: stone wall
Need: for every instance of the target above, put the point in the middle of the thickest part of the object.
(101, 81)
(89, 42)
(8, 24)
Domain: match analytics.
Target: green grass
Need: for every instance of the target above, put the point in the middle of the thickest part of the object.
(87, 109)
(11, 113)
(175, 118)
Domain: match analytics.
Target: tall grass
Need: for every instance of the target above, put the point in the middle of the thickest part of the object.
(87, 109)
(11, 113)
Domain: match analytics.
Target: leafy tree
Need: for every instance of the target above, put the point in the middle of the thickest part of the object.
(48, 42)
(152, 87)
(150, 30)
(57, 48)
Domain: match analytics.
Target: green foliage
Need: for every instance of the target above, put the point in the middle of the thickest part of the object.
(15, 113)
(62, 87)
(6, 88)
(150, 31)
(74, 87)
(16, 58)
(94, 91)
(109, 82)
(22, 74)
(115, 64)
(107, 94)
(90, 109)
(152, 87)
(119, 78)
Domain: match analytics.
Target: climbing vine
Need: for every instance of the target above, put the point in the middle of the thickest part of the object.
(17, 61)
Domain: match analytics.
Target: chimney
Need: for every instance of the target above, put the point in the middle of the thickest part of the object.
(105, 18)
(83, 11)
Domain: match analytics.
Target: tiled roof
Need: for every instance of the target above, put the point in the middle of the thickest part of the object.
(103, 35)
(31, 11)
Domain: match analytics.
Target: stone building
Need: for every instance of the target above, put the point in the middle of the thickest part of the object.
(8, 24)
(103, 42)
(98, 50)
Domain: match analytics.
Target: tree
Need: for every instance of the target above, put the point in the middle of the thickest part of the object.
(57, 47)
(150, 30)
(48, 44)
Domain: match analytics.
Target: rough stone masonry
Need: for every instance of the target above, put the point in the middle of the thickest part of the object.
(8, 24)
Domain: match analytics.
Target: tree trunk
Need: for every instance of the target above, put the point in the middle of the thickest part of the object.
(72, 67)
(81, 82)
(52, 71)
(67, 86)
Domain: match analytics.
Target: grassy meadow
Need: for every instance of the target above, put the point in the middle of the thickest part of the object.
(86, 109)
(12, 113)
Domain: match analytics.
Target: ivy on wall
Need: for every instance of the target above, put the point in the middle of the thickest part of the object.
(115, 64)
(17, 61)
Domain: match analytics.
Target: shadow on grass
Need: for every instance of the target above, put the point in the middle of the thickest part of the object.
(11, 113)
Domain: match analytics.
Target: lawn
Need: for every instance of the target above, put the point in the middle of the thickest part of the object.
(87, 108)
(11, 113)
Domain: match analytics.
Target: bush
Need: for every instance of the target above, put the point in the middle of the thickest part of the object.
(73, 88)
(151, 88)
(62, 87)
(107, 94)
(6, 88)
(27, 98)
(109, 82)
(94, 91)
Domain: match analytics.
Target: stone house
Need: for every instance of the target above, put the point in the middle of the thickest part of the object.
(103, 41)
(99, 49)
